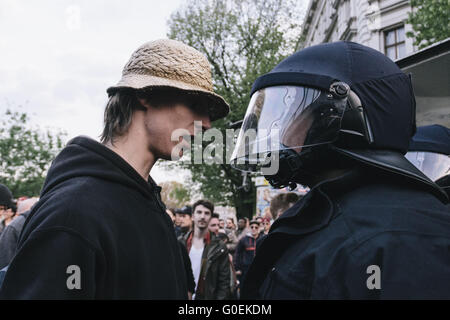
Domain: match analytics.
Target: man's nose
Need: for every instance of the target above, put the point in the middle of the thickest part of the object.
(206, 122)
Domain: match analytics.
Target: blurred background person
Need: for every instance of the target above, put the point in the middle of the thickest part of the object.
(230, 226)
(242, 228)
(177, 221)
(221, 224)
(266, 223)
(233, 278)
(213, 225)
(282, 202)
(208, 255)
(261, 227)
(7, 207)
(10, 235)
(184, 216)
(230, 230)
(429, 151)
(245, 251)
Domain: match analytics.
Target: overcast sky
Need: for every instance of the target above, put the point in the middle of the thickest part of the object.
(58, 57)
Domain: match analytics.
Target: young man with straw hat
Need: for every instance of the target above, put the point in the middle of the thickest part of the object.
(100, 229)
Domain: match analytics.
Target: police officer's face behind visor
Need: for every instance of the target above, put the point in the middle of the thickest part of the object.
(285, 117)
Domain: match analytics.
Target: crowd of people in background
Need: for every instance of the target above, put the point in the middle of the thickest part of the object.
(218, 251)
(13, 214)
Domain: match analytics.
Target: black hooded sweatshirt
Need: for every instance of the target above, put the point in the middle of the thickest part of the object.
(99, 231)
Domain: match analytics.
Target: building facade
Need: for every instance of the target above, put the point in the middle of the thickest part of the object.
(379, 24)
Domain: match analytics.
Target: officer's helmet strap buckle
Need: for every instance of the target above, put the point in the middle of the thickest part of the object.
(339, 89)
(355, 127)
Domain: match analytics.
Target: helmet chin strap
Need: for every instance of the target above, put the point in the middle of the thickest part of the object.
(297, 167)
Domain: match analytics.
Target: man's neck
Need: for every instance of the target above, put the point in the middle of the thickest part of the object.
(198, 239)
(133, 150)
(200, 233)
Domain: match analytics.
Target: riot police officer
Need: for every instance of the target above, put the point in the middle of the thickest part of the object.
(429, 151)
(338, 117)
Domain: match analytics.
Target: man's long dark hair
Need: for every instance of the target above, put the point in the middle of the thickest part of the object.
(118, 114)
(123, 103)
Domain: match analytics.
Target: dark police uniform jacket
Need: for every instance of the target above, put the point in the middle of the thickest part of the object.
(360, 236)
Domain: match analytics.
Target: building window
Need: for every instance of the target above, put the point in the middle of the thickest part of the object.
(394, 43)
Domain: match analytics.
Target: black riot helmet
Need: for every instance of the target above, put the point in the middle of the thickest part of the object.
(429, 151)
(342, 98)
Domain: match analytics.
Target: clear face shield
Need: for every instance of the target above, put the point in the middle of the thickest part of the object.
(282, 118)
(433, 165)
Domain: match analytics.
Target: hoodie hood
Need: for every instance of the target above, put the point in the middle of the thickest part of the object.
(85, 157)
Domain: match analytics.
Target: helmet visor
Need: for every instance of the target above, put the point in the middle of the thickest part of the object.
(285, 117)
(433, 165)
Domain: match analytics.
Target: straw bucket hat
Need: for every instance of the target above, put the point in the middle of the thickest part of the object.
(169, 63)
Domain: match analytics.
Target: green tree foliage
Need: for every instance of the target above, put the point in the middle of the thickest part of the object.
(175, 194)
(242, 40)
(25, 153)
(430, 20)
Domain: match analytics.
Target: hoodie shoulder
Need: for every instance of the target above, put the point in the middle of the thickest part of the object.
(73, 206)
(86, 158)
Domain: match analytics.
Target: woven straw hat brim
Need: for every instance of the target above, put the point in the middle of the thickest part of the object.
(218, 108)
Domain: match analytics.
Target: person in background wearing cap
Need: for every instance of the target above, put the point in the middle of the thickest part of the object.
(184, 216)
(100, 230)
(338, 118)
(429, 151)
(10, 236)
(7, 207)
(245, 251)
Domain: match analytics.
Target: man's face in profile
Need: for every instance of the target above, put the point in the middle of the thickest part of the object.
(162, 121)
